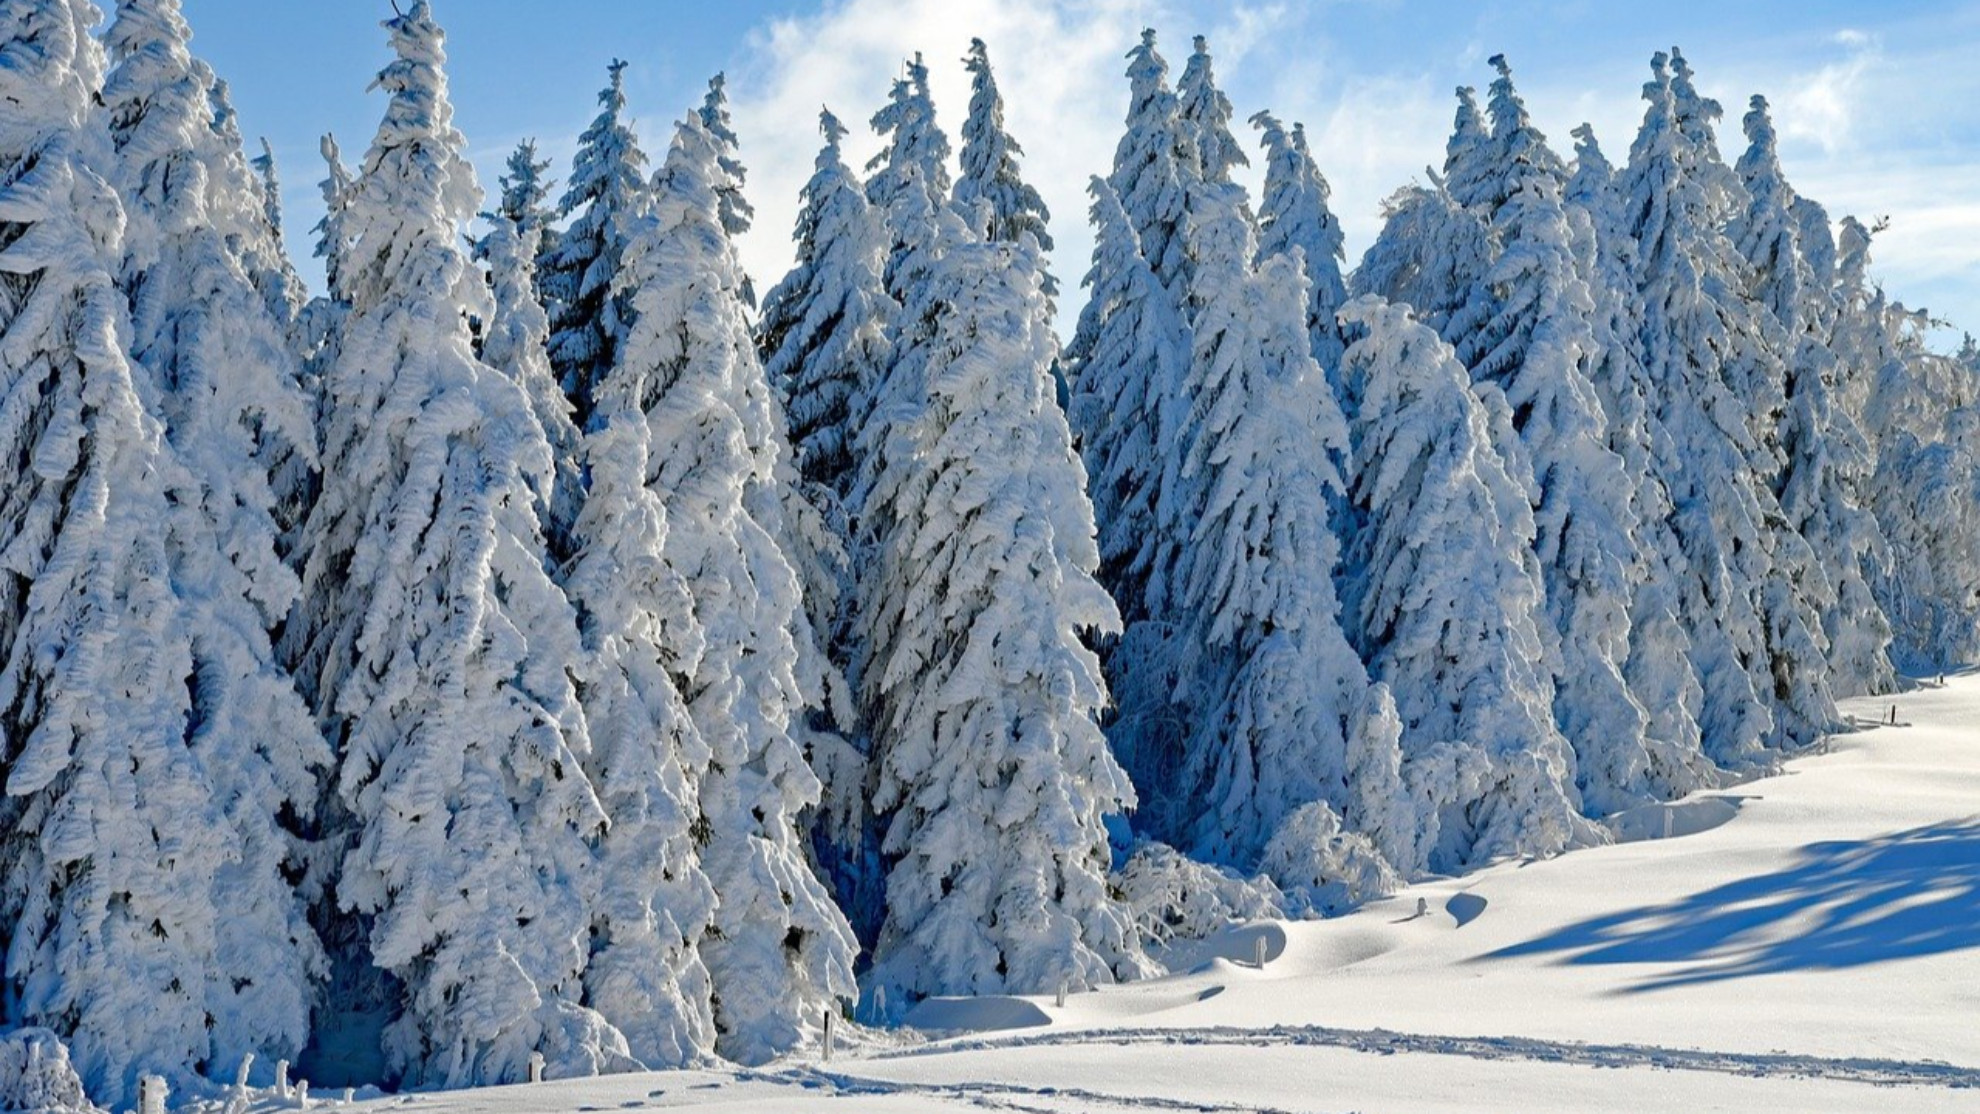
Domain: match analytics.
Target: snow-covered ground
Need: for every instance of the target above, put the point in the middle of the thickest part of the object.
(1810, 942)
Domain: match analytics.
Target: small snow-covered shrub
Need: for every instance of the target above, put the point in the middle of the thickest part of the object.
(36, 1076)
(1175, 898)
(1323, 868)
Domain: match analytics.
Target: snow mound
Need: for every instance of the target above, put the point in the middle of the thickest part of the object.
(1677, 818)
(1236, 944)
(37, 1078)
(976, 1015)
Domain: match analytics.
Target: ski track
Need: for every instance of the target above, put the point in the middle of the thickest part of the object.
(997, 1096)
(1382, 1042)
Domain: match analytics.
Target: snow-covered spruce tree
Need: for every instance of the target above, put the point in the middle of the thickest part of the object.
(1154, 164)
(993, 770)
(1824, 457)
(990, 174)
(523, 195)
(1293, 213)
(1274, 694)
(1529, 333)
(112, 827)
(1448, 608)
(1206, 114)
(1124, 388)
(268, 264)
(227, 387)
(779, 953)
(434, 644)
(515, 342)
(823, 328)
(652, 902)
(737, 213)
(1757, 647)
(1135, 349)
(1657, 667)
(578, 273)
(916, 157)
(1431, 255)
(823, 340)
(1470, 163)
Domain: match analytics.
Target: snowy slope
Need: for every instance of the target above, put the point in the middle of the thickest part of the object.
(1816, 946)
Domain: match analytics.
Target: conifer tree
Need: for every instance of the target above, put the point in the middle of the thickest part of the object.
(1205, 113)
(993, 773)
(1154, 163)
(1294, 213)
(737, 213)
(227, 388)
(1449, 607)
(270, 268)
(823, 328)
(990, 171)
(578, 274)
(1275, 695)
(112, 827)
(780, 953)
(432, 640)
(1757, 644)
(1822, 451)
(515, 342)
(1469, 159)
(1657, 667)
(916, 157)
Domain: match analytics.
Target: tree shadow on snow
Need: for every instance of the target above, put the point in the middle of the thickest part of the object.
(1843, 904)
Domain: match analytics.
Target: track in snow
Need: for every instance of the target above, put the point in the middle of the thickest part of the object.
(1866, 1070)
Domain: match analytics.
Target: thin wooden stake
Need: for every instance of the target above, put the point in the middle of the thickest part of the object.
(1258, 951)
(826, 1042)
(536, 1067)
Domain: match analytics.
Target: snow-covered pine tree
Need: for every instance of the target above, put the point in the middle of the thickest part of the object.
(1526, 328)
(112, 827)
(578, 274)
(823, 340)
(1294, 213)
(432, 640)
(1448, 608)
(990, 173)
(780, 954)
(1470, 162)
(1274, 694)
(515, 342)
(1431, 255)
(1824, 457)
(1205, 113)
(227, 388)
(1154, 164)
(823, 328)
(653, 903)
(1657, 667)
(523, 195)
(1756, 645)
(281, 287)
(993, 770)
(737, 213)
(916, 157)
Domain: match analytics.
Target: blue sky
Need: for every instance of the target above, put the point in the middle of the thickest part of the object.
(1878, 103)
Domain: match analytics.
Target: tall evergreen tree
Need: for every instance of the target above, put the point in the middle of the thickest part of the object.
(1294, 213)
(515, 342)
(993, 770)
(227, 388)
(780, 953)
(268, 263)
(1154, 163)
(990, 171)
(916, 157)
(578, 275)
(1205, 113)
(1276, 697)
(1823, 456)
(737, 213)
(432, 640)
(1448, 606)
(823, 328)
(115, 828)
(1658, 666)
(1757, 645)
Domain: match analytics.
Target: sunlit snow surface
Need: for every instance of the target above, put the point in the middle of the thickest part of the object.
(1814, 946)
